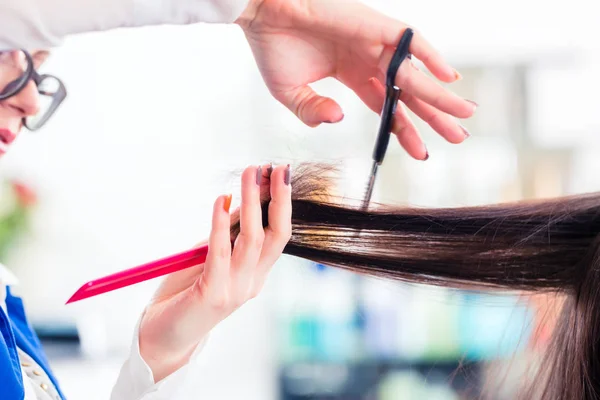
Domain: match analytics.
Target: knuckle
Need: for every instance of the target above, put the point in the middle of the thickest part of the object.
(405, 80)
(254, 292)
(253, 239)
(257, 239)
(300, 100)
(399, 127)
(255, 289)
(437, 100)
(408, 100)
(286, 233)
(283, 233)
(426, 58)
(220, 303)
(218, 300)
(433, 119)
(222, 253)
(238, 302)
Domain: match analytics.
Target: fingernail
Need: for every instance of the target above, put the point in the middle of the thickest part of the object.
(457, 76)
(426, 155)
(270, 169)
(288, 175)
(227, 203)
(472, 102)
(465, 131)
(259, 175)
(333, 122)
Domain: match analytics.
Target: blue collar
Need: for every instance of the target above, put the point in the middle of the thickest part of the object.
(15, 331)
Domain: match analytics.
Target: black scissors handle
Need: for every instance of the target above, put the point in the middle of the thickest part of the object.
(392, 94)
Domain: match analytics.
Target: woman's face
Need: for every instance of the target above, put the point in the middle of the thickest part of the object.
(25, 103)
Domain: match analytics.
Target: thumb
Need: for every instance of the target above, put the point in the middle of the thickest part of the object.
(309, 107)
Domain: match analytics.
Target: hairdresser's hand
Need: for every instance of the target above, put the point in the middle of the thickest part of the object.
(191, 302)
(298, 42)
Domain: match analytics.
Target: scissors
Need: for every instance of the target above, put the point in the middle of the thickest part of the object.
(189, 258)
(392, 95)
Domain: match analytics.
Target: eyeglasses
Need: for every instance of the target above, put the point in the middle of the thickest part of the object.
(17, 68)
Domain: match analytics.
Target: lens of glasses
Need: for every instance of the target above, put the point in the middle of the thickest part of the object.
(16, 68)
(52, 93)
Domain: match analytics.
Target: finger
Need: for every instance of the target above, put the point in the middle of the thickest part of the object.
(279, 229)
(370, 94)
(423, 50)
(264, 190)
(309, 107)
(248, 244)
(377, 27)
(413, 81)
(408, 136)
(440, 122)
(216, 268)
(267, 170)
(178, 281)
(403, 127)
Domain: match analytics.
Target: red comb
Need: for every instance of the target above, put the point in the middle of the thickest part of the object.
(141, 273)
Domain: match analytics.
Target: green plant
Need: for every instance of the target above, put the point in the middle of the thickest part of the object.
(16, 203)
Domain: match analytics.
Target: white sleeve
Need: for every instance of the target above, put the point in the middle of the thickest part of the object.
(136, 382)
(39, 24)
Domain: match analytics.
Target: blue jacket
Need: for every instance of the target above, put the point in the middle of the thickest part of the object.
(15, 331)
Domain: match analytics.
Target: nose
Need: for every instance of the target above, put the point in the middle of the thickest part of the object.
(27, 101)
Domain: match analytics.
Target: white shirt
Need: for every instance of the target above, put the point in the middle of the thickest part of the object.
(42, 24)
(135, 380)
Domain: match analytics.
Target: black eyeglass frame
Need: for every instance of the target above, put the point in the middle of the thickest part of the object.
(15, 87)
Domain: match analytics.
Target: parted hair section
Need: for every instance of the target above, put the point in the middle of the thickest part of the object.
(548, 245)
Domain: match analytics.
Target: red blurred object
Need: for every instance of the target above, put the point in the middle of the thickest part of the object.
(26, 196)
(144, 272)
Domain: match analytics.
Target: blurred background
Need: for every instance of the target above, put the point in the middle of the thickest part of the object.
(158, 123)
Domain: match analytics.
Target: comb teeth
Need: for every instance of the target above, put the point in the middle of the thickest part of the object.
(370, 185)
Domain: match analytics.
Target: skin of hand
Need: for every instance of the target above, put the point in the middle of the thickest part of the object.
(299, 42)
(189, 303)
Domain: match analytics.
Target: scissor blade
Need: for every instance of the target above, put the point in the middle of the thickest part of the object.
(370, 185)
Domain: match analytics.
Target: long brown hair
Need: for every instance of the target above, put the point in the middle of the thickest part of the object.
(536, 246)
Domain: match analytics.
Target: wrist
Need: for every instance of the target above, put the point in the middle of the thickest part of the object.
(164, 362)
(163, 350)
